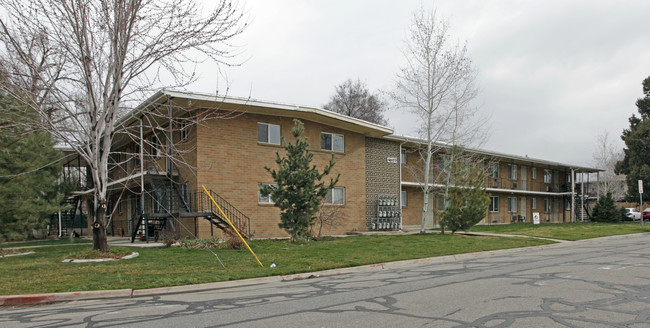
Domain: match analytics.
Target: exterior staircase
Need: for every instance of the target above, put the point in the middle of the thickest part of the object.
(169, 201)
(68, 216)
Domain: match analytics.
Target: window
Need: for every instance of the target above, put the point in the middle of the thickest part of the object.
(444, 163)
(403, 198)
(493, 168)
(155, 146)
(336, 196)
(494, 203)
(119, 207)
(442, 204)
(261, 198)
(512, 204)
(533, 172)
(403, 156)
(547, 205)
(512, 171)
(568, 177)
(568, 205)
(331, 141)
(184, 130)
(533, 203)
(268, 133)
(547, 176)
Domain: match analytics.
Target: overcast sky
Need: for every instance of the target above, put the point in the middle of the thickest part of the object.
(553, 74)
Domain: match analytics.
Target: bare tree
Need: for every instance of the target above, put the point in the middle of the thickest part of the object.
(328, 216)
(90, 58)
(437, 84)
(352, 98)
(605, 157)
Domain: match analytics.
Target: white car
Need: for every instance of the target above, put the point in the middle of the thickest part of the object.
(633, 214)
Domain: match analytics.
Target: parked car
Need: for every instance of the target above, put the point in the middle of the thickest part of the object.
(646, 214)
(633, 214)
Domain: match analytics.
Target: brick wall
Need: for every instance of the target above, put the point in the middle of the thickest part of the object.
(231, 162)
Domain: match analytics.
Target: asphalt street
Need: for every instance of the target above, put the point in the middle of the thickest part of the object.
(601, 282)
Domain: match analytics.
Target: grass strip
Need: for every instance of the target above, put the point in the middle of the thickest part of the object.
(564, 231)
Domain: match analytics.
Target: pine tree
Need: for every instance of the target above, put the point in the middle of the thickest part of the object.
(636, 163)
(605, 210)
(298, 189)
(29, 171)
(466, 200)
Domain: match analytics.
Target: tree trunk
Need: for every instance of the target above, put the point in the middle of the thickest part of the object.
(100, 242)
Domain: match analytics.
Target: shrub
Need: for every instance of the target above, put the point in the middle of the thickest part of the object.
(606, 210)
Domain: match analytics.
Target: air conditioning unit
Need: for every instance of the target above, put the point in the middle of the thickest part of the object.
(549, 188)
(496, 218)
(496, 183)
(513, 185)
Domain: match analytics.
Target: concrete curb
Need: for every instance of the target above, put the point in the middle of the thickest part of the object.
(13, 300)
(17, 300)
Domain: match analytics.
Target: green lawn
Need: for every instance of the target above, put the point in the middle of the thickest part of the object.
(564, 231)
(43, 272)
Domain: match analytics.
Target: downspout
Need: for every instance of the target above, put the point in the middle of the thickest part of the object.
(582, 198)
(401, 206)
(142, 190)
(573, 195)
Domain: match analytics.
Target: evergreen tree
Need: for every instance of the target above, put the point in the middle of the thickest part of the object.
(466, 198)
(298, 189)
(29, 171)
(636, 163)
(606, 210)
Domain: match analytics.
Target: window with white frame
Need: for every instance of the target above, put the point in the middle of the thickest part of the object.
(512, 204)
(262, 199)
(533, 203)
(336, 196)
(568, 177)
(547, 205)
(155, 146)
(403, 156)
(512, 171)
(403, 198)
(332, 142)
(533, 173)
(547, 176)
(494, 203)
(268, 133)
(493, 169)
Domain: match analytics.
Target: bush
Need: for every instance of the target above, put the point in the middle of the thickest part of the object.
(606, 210)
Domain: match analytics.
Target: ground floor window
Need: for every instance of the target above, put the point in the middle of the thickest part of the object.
(547, 205)
(336, 196)
(512, 204)
(260, 197)
(494, 203)
(403, 198)
(533, 202)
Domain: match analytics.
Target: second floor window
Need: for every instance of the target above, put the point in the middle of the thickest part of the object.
(547, 176)
(512, 171)
(493, 169)
(268, 133)
(533, 173)
(155, 146)
(403, 156)
(333, 142)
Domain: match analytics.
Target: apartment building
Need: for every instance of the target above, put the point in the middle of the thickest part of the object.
(163, 157)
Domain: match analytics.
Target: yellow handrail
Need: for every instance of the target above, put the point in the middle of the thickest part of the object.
(231, 225)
